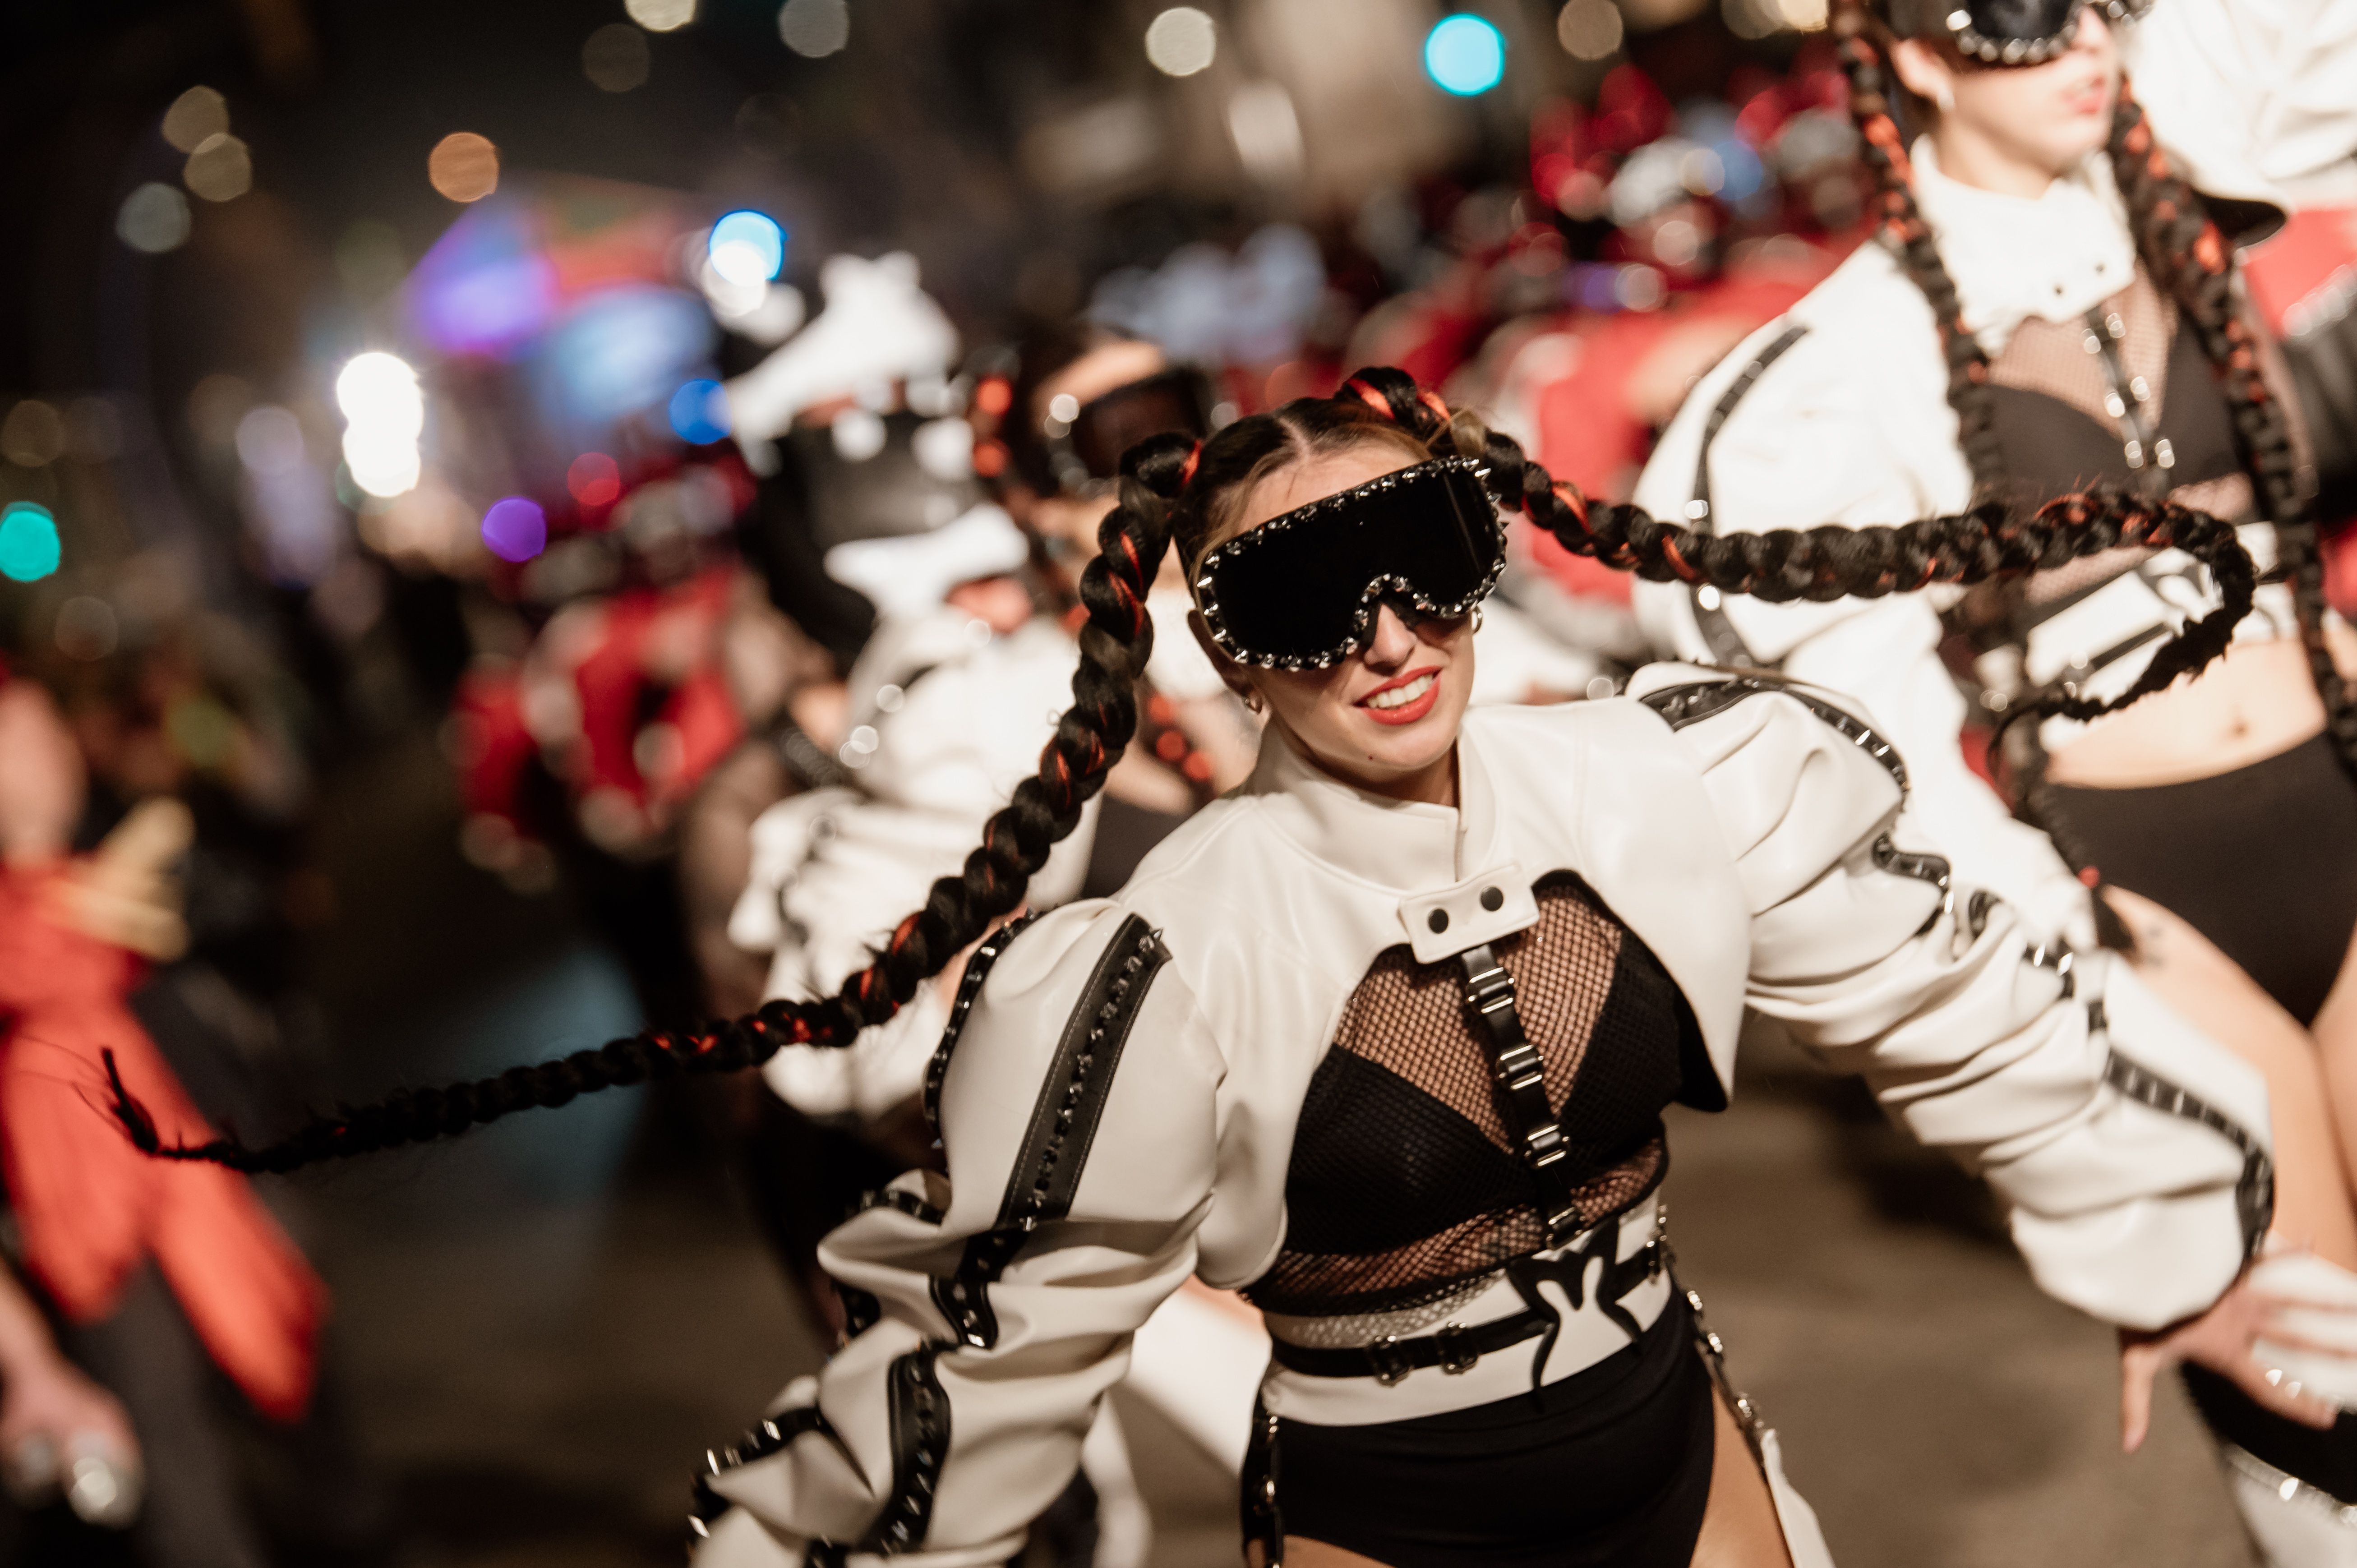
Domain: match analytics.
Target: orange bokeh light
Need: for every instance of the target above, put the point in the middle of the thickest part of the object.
(464, 166)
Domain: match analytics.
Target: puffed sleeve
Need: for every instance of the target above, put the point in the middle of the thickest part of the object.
(2257, 97)
(1077, 1104)
(836, 870)
(1846, 426)
(2129, 1149)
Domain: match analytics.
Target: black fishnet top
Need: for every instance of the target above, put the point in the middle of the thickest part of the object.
(1404, 1183)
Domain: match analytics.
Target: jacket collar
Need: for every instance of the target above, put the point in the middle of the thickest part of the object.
(1406, 847)
(2055, 257)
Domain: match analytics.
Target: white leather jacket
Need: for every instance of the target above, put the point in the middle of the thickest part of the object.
(1119, 1098)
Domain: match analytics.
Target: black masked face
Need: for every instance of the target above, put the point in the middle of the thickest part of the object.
(1299, 591)
(2008, 32)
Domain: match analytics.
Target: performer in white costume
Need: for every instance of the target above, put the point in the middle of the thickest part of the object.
(2047, 305)
(1382, 1040)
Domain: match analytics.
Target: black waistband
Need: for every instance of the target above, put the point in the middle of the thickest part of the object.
(1455, 1348)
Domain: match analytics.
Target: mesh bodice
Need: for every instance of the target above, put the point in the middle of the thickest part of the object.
(1404, 1183)
(2052, 451)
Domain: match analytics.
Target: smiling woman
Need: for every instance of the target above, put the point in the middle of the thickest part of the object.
(1406, 1009)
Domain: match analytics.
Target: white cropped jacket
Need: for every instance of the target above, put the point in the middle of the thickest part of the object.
(1749, 841)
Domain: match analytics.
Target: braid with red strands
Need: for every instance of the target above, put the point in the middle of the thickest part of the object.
(1821, 563)
(1091, 735)
(2186, 254)
(1900, 222)
(1175, 489)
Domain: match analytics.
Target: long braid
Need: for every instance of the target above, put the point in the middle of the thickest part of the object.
(1823, 563)
(1815, 564)
(2184, 252)
(1900, 222)
(1088, 739)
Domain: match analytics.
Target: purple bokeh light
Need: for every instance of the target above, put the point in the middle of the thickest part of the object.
(515, 528)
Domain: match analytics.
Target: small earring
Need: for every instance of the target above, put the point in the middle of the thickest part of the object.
(1476, 617)
(1254, 701)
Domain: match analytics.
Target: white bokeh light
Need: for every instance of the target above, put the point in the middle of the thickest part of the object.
(1182, 42)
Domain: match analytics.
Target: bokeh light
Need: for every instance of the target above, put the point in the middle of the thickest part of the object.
(195, 118)
(594, 479)
(220, 169)
(33, 435)
(814, 28)
(1589, 29)
(1465, 55)
(464, 166)
(515, 528)
(28, 543)
(660, 15)
(85, 628)
(270, 440)
(699, 413)
(1182, 42)
(380, 389)
(384, 413)
(154, 219)
(615, 57)
(747, 248)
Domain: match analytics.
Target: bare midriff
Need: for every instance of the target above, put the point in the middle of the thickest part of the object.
(2258, 700)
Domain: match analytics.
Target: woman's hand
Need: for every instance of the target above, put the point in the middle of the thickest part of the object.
(124, 894)
(2224, 1339)
(47, 1398)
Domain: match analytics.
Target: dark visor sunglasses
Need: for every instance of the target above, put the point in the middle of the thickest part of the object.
(1300, 591)
(2013, 32)
(1084, 453)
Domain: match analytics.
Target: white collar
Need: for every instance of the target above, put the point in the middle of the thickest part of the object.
(1406, 847)
(2055, 256)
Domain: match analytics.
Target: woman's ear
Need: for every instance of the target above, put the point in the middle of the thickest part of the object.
(1232, 674)
(1924, 72)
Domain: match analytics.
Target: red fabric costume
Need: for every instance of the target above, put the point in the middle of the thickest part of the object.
(90, 1204)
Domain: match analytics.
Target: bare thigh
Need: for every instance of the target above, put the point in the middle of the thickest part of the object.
(1738, 1522)
(2335, 1031)
(2313, 1206)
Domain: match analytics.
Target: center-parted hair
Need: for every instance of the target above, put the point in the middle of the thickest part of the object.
(1172, 485)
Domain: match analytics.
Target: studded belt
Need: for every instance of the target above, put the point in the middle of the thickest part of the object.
(1454, 1347)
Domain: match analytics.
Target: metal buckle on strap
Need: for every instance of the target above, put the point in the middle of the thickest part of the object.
(1455, 1355)
(1390, 1363)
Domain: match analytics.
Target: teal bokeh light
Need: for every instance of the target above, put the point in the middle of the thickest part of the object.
(28, 543)
(1465, 55)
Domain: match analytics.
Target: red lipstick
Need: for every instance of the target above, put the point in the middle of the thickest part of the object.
(1407, 713)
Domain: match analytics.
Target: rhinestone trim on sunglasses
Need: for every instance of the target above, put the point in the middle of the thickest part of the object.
(2032, 51)
(1378, 588)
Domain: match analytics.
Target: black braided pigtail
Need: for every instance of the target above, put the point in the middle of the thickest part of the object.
(1822, 564)
(1089, 737)
(2185, 253)
(1900, 224)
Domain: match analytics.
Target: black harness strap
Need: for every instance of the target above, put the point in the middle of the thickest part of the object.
(1520, 1073)
(918, 1427)
(1726, 644)
(1063, 1124)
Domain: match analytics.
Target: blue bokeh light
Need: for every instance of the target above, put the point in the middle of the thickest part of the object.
(1465, 55)
(747, 247)
(28, 543)
(699, 414)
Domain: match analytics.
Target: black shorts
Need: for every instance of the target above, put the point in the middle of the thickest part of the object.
(2262, 861)
(1608, 1466)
